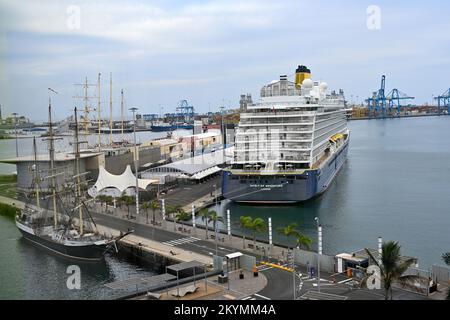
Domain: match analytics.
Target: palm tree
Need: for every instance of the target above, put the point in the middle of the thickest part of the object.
(128, 202)
(145, 207)
(446, 258)
(181, 215)
(392, 267)
(154, 205)
(256, 225)
(303, 241)
(244, 223)
(290, 231)
(204, 214)
(173, 210)
(214, 218)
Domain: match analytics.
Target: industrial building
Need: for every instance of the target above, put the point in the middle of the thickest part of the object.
(64, 168)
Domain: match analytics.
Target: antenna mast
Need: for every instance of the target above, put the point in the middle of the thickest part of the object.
(99, 115)
(36, 174)
(121, 112)
(87, 109)
(110, 110)
(52, 158)
(77, 172)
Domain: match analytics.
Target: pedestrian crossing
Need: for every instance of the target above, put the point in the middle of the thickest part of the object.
(181, 241)
(255, 296)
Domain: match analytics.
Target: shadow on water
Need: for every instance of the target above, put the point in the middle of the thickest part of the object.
(46, 274)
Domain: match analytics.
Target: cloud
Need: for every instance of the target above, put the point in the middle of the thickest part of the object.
(213, 50)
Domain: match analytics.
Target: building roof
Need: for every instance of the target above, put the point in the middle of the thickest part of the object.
(194, 165)
(234, 255)
(120, 182)
(209, 134)
(60, 156)
(185, 265)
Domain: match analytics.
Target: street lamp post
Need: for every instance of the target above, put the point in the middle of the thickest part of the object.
(319, 250)
(136, 160)
(15, 131)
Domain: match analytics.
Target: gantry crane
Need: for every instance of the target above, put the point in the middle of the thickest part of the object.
(444, 101)
(394, 98)
(380, 103)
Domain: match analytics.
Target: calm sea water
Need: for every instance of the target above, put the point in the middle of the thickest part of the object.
(395, 184)
(29, 272)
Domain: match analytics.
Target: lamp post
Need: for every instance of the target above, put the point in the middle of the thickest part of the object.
(136, 160)
(319, 250)
(15, 131)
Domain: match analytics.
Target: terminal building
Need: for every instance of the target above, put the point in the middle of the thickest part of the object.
(193, 170)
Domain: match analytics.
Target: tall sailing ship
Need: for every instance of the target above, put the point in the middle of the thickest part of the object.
(67, 228)
(290, 145)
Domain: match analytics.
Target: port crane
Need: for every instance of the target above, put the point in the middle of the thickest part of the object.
(382, 104)
(394, 98)
(377, 103)
(444, 101)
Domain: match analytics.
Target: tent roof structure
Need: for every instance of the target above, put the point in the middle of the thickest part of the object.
(120, 182)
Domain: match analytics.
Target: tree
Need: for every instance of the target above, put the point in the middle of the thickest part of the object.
(181, 215)
(290, 231)
(204, 215)
(446, 258)
(154, 205)
(145, 207)
(128, 202)
(214, 218)
(244, 223)
(173, 210)
(303, 242)
(392, 267)
(256, 225)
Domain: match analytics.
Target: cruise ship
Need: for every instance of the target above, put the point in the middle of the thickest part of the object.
(290, 145)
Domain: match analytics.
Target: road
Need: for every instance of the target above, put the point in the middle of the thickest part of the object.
(185, 241)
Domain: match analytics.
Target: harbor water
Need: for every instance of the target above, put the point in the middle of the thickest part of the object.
(395, 184)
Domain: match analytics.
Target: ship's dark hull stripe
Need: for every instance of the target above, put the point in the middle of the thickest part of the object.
(87, 253)
(316, 182)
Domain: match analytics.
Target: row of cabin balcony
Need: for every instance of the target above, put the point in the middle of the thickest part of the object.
(278, 114)
(272, 144)
(261, 166)
(275, 137)
(292, 156)
(273, 131)
(274, 121)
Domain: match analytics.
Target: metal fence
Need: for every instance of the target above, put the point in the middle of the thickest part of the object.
(441, 274)
(310, 258)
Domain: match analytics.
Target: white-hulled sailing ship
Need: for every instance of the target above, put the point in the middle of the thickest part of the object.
(67, 229)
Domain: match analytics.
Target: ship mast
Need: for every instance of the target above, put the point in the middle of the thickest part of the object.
(121, 111)
(36, 174)
(86, 108)
(99, 115)
(52, 159)
(110, 110)
(77, 173)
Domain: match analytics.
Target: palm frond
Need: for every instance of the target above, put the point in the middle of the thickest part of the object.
(446, 258)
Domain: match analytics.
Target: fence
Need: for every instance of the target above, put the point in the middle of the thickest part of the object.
(327, 263)
(441, 274)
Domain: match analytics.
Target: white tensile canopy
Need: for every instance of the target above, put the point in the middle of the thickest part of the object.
(120, 182)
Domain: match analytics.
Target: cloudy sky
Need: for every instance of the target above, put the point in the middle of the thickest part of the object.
(209, 52)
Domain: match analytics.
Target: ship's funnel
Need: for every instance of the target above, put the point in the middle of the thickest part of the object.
(301, 74)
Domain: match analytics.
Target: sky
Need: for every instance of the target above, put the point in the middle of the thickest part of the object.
(211, 52)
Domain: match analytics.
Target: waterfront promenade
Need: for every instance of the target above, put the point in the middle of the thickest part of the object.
(190, 244)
